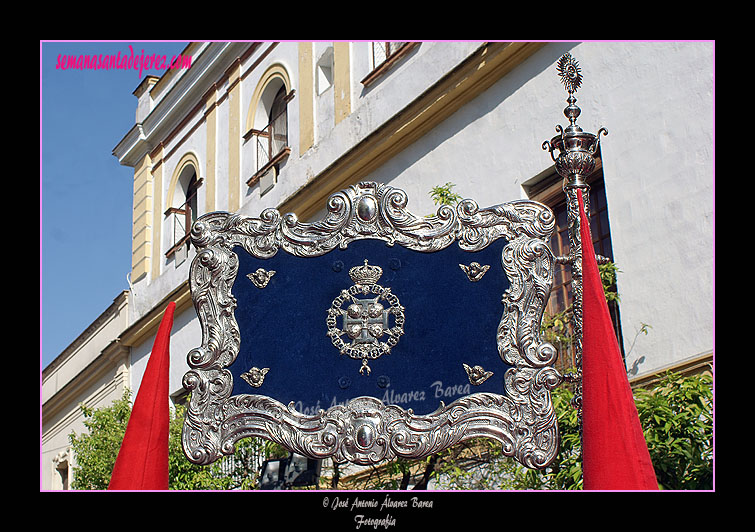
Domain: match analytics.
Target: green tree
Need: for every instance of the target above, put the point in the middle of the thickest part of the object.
(677, 418)
(484, 466)
(183, 474)
(97, 449)
(444, 195)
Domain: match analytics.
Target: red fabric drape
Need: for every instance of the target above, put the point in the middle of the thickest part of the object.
(142, 462)
(614, 452)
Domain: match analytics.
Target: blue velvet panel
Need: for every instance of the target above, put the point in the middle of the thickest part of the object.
(448, 321)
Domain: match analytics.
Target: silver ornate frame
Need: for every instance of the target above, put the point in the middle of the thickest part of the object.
(365, 430)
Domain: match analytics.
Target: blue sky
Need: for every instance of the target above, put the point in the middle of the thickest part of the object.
(85, 194)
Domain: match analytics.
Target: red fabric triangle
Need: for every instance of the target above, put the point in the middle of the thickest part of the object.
(614, 452)
(142, 462)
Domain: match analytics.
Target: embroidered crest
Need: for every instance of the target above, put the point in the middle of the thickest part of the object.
(365, 321)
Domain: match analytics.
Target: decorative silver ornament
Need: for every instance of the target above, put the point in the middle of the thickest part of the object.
(365, 321)
(575, 161)
(255, 376)
(576, 148)
(365, 430)
(570, 73)
(261, 277)
(477, 375)
(474, 271)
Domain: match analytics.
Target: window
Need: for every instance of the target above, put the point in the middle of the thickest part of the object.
(325, 71)
(184, 214)
(549, 191)
(180, 398)
(382, 51)
(278, 126)
(384, 55)
(271, 141)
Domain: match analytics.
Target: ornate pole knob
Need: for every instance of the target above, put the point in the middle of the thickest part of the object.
(576, 148)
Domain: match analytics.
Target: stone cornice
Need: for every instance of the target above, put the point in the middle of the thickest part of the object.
(690, 366)
(89, 375)
(135, 334)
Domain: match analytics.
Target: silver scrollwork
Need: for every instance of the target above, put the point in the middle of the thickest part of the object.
(365, 430)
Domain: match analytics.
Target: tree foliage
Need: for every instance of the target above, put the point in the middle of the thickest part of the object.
(677, 418)
(444, 194)
(676, 415)
(97, 450)
(183, 474)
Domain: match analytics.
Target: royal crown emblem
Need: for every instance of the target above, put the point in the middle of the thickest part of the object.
(365, 321)
(365, 275)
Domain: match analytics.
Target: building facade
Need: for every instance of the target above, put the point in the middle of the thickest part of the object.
(252, 126)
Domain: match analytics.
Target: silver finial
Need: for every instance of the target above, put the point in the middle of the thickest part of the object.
(576, 148)
(570, 73)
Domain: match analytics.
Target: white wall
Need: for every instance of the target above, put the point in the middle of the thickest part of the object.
(658, 161)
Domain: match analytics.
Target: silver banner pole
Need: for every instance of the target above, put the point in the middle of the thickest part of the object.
(575, 160)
